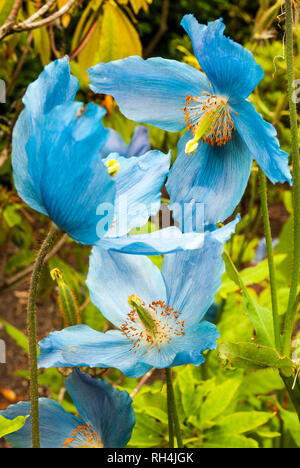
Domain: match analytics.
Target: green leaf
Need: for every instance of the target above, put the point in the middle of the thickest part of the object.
(252, 356)
(230, 441)
(7, 426)
(16, 335)
(243, 421)
(219, 399)
(291, 423)
(119, 38)
(5, 9)
(261, 318)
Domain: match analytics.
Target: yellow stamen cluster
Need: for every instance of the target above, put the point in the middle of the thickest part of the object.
(84, 436)
(208, 118)
(164, 325)
(113, 167)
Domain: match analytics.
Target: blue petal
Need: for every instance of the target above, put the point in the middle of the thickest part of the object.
(80, 346)
(107, 409)
(55, 86)
(114, 144)
(230, 68)
(260, 137)
(193, 278)
(197, 339)
(150, 91)
(139, 143)
(113, 277)
(56, 425)
(213, 178)
(69, 178)
(138, 190)
(160, 242)
(22, 179)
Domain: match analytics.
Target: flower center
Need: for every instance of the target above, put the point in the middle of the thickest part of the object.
(208, 118)
(84, 436)
(151, 326)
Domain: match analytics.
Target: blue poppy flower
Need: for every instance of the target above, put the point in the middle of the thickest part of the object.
(157, 314)
(57, 163)
(106, 417)
(224, 131)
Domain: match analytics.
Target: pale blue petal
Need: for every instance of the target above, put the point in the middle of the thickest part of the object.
(212, 179)
(56, 425)
(67, 173)
(261, 139)
(150, 91)
(138, 190)
(80, 346)
(230, 68)
(113, 277)
(193, 278)
(107, 409)
(160, 242)
(196, 340)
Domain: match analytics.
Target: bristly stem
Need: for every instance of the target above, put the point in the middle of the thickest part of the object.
(172, 412)
(268, 236)
(51, 238)
(290, 313)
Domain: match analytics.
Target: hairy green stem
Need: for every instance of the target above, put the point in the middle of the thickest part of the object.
(172, 412)
(293, 389)
(51, 238)
(290, 313)
(268, 236)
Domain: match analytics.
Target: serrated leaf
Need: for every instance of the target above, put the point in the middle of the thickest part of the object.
(253, 356)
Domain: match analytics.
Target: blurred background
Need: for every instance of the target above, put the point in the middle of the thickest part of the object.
(104, 30)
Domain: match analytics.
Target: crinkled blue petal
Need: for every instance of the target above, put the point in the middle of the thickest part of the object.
(151, 91)
(114, 144)
(56, 425)
(230, 68)
(212, 179)
(80, 346)
(139, 143)
(193, 278)
(55, 86)
(261, 139)
(160, 242)
(138, 190)
(194, 342)
(69, 177)
(113, 277)
(107, 409)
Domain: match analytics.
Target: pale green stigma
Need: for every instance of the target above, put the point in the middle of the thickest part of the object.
(143, 314)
